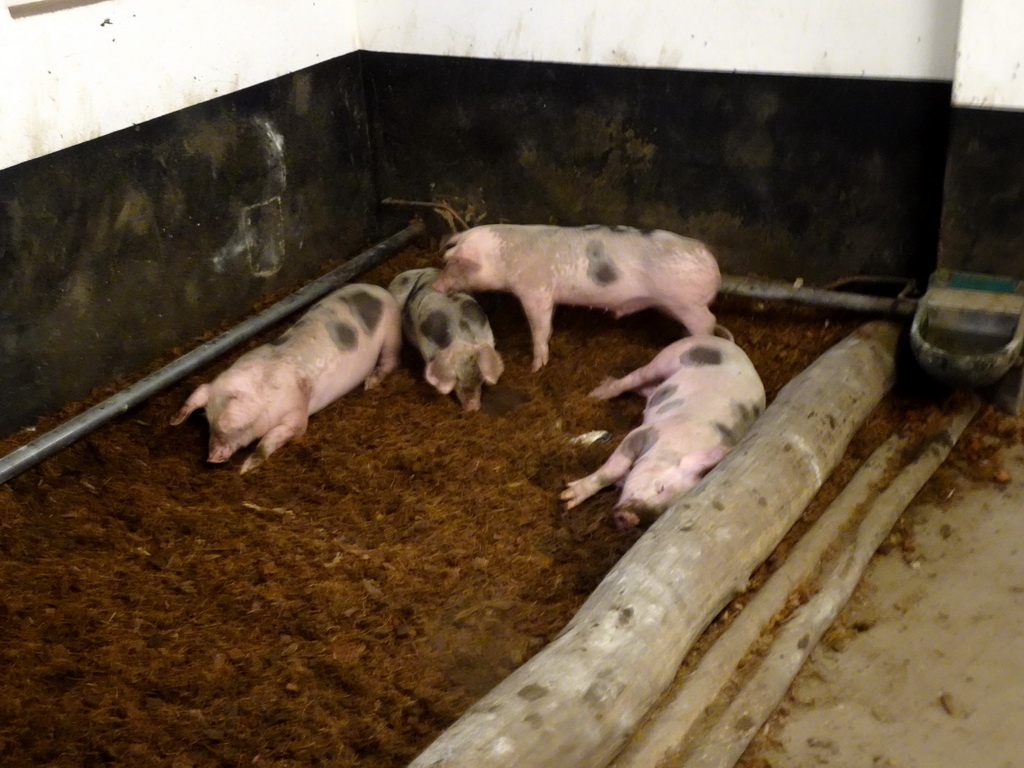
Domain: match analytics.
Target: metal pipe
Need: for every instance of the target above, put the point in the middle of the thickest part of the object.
(777, 290)
(49, 443)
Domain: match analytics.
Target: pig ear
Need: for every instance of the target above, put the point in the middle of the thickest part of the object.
(440, 373)
(699, 462)
(491, 364)
(449, 241)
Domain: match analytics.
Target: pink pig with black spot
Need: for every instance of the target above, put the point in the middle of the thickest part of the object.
(451, 332)
(616, 268)
(703, 394)
(351, 336)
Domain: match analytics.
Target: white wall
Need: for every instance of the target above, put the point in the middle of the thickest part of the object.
(913, 39)
(990, 55)
(69, 76)
(76, 74)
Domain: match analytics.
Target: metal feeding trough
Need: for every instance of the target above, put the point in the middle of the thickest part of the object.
(968, 331)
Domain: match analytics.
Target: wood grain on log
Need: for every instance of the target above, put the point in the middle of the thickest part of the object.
(725, 740)
(672, 725)
(575, 703)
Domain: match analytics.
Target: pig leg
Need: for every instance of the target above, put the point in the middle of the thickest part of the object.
(644, 380)
(613, 470)
(649, 377)
(196, 400)
(388, 360)
(270, 442)
(539, 308)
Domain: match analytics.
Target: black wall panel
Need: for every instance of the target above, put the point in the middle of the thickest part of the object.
(117, 250)
(785, 176)
(983, 214)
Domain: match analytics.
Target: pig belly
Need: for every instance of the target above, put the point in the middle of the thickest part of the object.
(679, 436)
(575, 288)
(342, 375)
(712, 399)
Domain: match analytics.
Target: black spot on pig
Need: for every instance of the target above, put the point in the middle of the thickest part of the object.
(367, 307)
(600, 268)
(661, 395)
(423, 282)
(671, 405)
(746, 414)
(343, 335)
(473, 314)
(730, 433)
(639, 441)
(435, 327)
(701, 355)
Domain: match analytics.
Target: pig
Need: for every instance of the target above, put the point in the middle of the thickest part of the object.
(703, 394)
(616, 268)
(452, 334)
(352, 335)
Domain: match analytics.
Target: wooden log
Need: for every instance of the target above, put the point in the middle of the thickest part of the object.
(674, 723)
(575, 703)
(726, 739)
(677, 728)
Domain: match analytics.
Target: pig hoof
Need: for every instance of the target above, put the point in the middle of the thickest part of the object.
(571, 497)
(250, 464)
(603, 391)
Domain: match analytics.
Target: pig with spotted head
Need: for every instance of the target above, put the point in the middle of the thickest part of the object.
(703, 394)
(353, 335)
(615, 268)
(451, 332)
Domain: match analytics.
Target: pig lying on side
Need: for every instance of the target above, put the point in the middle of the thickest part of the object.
(702, 396)
(452, 334)
(350, 336)
(617, 268)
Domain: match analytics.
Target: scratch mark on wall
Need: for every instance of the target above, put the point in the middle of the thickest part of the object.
(258, 238)
(273, 146)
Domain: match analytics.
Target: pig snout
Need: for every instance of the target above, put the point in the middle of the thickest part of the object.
(469, 397)
(219, 452)
(626, 517)
(450, 280)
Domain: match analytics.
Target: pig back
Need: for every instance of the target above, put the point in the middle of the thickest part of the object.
(432, 321)
(607, 266)
(336, 345)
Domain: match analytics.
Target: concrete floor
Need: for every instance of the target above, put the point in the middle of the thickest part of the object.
(925, 668)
